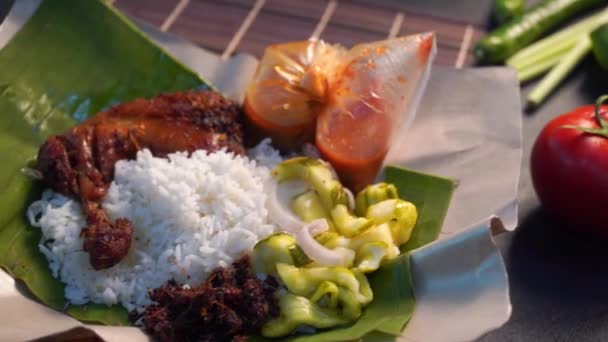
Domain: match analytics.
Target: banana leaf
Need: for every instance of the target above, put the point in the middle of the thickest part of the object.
(75, 58)
(431, 195)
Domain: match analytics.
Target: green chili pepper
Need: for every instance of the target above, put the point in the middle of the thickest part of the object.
(502, 43)
(599, 45)
(506, 10)
(297, 311)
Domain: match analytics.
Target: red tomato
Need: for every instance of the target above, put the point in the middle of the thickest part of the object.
(569, 167)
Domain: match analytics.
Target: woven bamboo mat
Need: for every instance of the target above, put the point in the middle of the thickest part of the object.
(232, 26)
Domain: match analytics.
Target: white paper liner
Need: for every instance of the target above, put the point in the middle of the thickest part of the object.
(468, 127)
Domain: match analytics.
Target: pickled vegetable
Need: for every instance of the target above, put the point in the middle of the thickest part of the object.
(370, 256)
(364, 288)
(318, 174)
(321, 255)
(297, 311)
(299, 257)
(400, 215)
(332, 240)
(324, 270)
(308, 207)
(272, 250)
(381, 233)
(303, 281)
(326, 295)
(347, 224)
(373, 194)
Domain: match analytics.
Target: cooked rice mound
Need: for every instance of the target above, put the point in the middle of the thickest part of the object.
(191, 214)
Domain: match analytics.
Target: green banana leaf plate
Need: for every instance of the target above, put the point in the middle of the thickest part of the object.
(75, 58)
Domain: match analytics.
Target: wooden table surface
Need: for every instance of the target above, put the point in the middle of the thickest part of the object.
(557, 281)
(229, 26)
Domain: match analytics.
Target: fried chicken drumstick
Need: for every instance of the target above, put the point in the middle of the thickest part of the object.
(80, 163)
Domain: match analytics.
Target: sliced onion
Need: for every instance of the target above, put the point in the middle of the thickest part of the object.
(351, 199)
(324, 256)
(278, 213)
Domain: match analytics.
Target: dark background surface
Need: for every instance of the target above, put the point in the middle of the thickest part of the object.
(558, 281)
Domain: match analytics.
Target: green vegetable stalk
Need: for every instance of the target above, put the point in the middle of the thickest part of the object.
(502, 43)
(541, 56)
(541, 67)
(559, 72)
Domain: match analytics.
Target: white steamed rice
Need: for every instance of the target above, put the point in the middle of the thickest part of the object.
(190, 215)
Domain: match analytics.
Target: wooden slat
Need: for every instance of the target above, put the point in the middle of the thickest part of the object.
(396, 25)
(309, 9)
(464, 12)
(211, 24)
(363, 17)
(270, 28)
(446, 56)
(243, 28)
(465, 47)
(448, 34)
(349, 27)
(153, 11)
(175, 13)
(281, 21)
(349, 36)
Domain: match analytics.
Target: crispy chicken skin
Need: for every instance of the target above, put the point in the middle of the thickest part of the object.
(81, 162)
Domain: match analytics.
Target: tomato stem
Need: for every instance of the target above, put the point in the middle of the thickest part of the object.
(598, 106)
(603, 130)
